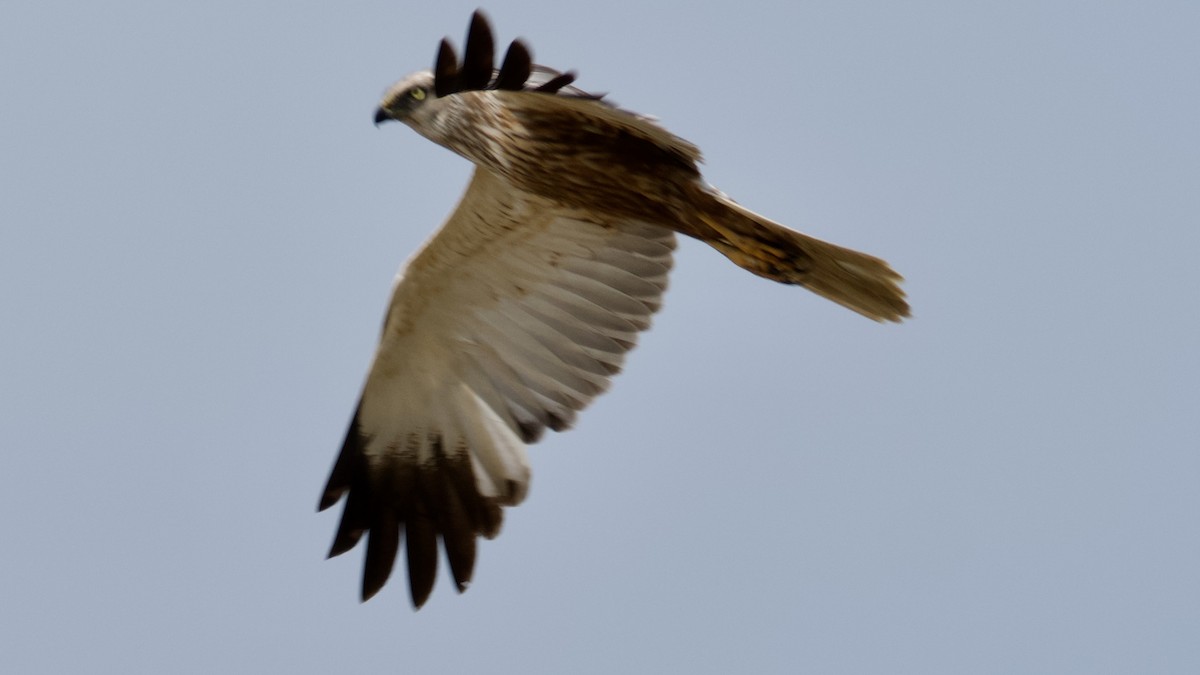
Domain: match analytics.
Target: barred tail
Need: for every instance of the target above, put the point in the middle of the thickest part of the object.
(854, 280)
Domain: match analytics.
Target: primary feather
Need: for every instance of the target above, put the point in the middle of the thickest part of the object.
(521, 308)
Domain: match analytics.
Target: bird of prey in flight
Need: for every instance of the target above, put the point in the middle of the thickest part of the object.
(521, 308)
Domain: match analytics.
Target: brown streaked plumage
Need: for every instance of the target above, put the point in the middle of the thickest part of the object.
(521, 308)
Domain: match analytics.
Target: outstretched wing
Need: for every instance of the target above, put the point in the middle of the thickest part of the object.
(511, 319)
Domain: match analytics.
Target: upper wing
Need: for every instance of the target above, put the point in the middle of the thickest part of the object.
(512, 318)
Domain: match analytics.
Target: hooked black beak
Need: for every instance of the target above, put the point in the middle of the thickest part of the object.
(382, 116)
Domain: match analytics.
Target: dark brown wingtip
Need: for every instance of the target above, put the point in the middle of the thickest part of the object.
(343, 469)
(329, 498)
(516, 68)
(457, 525)
(356, 519)
(445, 70)
(476, 70)
(553, 85)
(478, 66)
(341, 544)
(382, 545)
(420, 538)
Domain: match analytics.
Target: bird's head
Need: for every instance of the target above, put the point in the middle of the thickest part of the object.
(407, 98)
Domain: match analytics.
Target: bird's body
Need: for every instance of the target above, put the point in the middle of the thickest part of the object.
(517, 313)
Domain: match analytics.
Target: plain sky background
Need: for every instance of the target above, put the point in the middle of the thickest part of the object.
(199, 230)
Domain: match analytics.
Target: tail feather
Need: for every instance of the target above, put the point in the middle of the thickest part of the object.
(857, 281)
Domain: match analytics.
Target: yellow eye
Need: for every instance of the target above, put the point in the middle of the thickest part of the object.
(418, 94)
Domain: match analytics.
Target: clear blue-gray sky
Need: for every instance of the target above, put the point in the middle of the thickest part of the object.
(198, 230)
